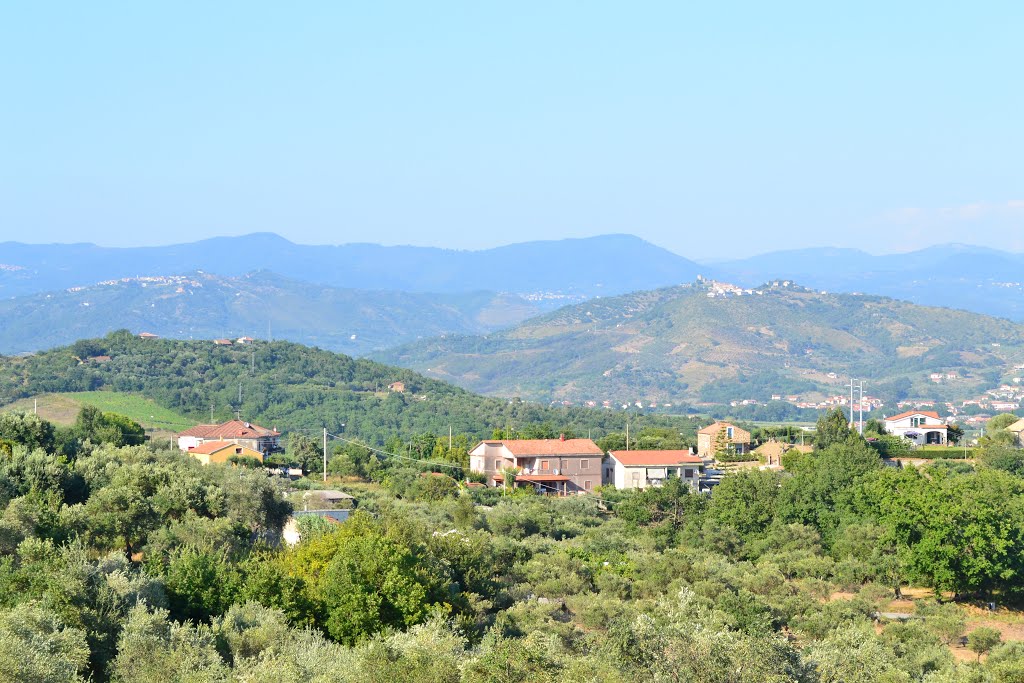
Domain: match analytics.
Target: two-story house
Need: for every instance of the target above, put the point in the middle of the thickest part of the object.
(246, 434)
(734, 440)
(555, 466)
(640, 469)
(920, 426)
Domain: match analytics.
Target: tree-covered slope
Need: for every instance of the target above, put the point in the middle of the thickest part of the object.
(681, 344)
(284, 385)
(207, 306)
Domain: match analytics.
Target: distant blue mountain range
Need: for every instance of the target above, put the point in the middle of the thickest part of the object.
(960, 276)
(605, 265)
(544, 275)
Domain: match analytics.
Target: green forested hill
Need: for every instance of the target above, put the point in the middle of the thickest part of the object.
(680, 344)
(285, 385)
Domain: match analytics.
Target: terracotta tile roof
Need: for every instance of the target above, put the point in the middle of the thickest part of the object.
(198, 430)
(526, 447)
(655, 458)
(716, 427)
(211, 447)
(233, 429)
(909, 413)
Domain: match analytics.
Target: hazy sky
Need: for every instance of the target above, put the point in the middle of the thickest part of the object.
(713, 128)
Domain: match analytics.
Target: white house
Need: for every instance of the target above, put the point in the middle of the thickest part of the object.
(920, 426)
(640, 469)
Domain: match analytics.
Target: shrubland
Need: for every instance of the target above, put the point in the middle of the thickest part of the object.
(132, 563)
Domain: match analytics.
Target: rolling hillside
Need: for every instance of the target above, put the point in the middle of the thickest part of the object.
(282, 384)
(680, 344)
(207, 306)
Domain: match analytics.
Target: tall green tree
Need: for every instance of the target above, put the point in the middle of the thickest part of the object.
(28, 430)
(819, 492)
(956, 532)
(745, 501)
(832, 428)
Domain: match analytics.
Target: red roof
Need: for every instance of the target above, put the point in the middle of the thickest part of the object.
(210, 447)
(541, 447)
(909, 413)
(232, 429)
(655, 458)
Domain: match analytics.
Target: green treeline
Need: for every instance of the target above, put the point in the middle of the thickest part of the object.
(292, 387)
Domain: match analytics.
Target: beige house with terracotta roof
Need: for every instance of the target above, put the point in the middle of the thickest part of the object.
(640, 469)
(554, 466)
(220, 452)
(736, 440)
(246, 434)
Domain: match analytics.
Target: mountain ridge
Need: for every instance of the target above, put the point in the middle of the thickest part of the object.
(262, 304)
(578, 266)
(702, 343)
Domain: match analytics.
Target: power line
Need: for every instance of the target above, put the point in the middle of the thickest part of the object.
(395, 455)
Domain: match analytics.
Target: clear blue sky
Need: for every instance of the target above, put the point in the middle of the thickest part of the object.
(710, 128)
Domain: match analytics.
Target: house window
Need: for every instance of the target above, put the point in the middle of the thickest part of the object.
(916, 421)
(586, 484)
(728, 432)
(238, 451)
(544, 465)
(689, 473)
(584, 464)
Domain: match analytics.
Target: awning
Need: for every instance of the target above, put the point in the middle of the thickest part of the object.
(541, 477)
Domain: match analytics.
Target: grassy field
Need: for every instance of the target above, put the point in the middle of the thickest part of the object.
(62, 409)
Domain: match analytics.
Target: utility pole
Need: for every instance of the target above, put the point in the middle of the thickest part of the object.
(449, 439)
(627, 433)
(852, 380)
(35, 406)
(325, 453)
(860, 428)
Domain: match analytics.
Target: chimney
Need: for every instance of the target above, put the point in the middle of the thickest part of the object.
(561, 437)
